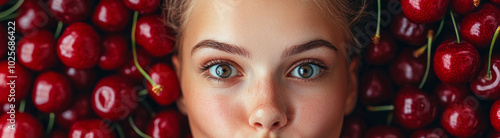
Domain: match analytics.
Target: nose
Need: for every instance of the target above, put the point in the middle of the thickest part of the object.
(268, 111)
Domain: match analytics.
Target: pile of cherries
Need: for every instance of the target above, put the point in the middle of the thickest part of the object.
(432, 71)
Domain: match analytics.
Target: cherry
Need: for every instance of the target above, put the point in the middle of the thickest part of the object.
(463, 119)
(424, 11)
(37, 51)
(164, 75)
(166, 124)
(51, 92)
(140, 117)
(79, 46)
(375, 88)
(488, 88)
(81, 79)
(3, 2)
(91, 128)
(129, 70)
(449, 94)
(154, 36)
(353, 127)
(478, 27)
(408, 70)
(382, 131)
(32, 17)
(429, 133)
(414, 108)
(497, 2)
(4, 39)
(58, 134)
(143, 6)
(409, 32)
(111, 15)
(114, 97)
(464, 6)
(26, 126)
(456, 63)
(70, 11)
(114, 52)
(383, 52)
(495, 115)
(23, 82)
(80, 110)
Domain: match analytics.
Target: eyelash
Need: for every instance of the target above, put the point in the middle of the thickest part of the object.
(205, 67)
(316, 62)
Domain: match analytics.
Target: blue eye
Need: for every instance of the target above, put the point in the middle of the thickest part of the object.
(306, 71)
(222, 71)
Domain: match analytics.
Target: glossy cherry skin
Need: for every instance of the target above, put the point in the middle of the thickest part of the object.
(130, 71)
(375, 88)
(407, 31)
(429, 133)
(166, 124)
(456, 63)
(91, 128)
(353, 127)
(23, 82)
(114, 52)
(79, 110)
(143, 6)
(382, 131)
(488, 88)
(163, 74)
(449, 94)
(32, 17)
(495, 115)
(79, 46)
(414, 108)
(408, 70)
(114, 98)
(424, 11)
(70, 11)
(37, 51)
(478, 27)
(111, 15)
(463, 119)
(51, 92)
(58, 133)
(26, 126)
(4, 39)
(383, 52)
(81, 80)
(141, 118)
(462, 6)
(153, 36)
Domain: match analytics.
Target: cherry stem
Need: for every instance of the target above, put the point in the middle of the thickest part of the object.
(427, 68)
(12, 9)
(148, 107)
(52, 117)
(22, 106)
(119, 130)
(441, 25)
(156, 88)
(380, 108)
(376, 38)
(455, 26)
(137, 130)
(58, 29)
(389, 118)
(476, 3)
(9, 17)
(421, 50)
(143, 92)
(488, 70)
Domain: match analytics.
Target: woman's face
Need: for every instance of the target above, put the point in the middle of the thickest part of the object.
(264, 69)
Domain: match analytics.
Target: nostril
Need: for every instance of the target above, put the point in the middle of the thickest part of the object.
(276, 124)
(257, 125)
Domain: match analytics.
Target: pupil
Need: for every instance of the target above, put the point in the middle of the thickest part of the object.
(305, 71)
(223, 71)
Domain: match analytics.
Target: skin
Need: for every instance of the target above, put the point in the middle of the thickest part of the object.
(264, 99)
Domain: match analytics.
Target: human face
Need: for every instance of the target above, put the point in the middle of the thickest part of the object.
(264, 69)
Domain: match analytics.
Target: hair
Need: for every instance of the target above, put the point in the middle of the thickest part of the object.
(175, 13)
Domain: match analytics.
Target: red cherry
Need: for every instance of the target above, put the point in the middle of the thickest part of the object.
(70, 11)
(141, 117)
(497, 2)
(26, 126)
(353, 127)
(449, 94)
(164, 75)
(79, 46)
(383, 52)
(488, 88)
(166, 124)
(375, 88)
(153, 36)
(111, 15)
(3, 40)
(424, 11)
(91, 128)
(429, 133)
(81, 79)
(384, 132)
(130, 70)
(411, 33)
(51, 92)
(58, 134)
(79, 110)
(114, 52)
(143, 6)
(32, 17)
(408, 70)
(478, 27)
(3, 2)
(463, 119)
(114, 97)
(23, 82)
(495, 115)
(37, 51)
(456, 63)
(463, 6)
(414, 108)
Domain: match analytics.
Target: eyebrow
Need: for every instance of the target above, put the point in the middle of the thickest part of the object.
(244, 52)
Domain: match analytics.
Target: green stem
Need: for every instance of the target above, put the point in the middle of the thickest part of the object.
(12, 9)
(148, 107)
(377, 33)
(441, 25)
(143, 92)
(51, 122)
(427, 68)
(22, 106)
(134, 52)
(9, 17)
(455, 26)
(137, 130)
(58, 30)
(119, 130)
(488, 70)
(380, 108)
(389, 118)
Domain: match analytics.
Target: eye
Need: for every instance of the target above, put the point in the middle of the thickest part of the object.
(223, 71)
(306, 71)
